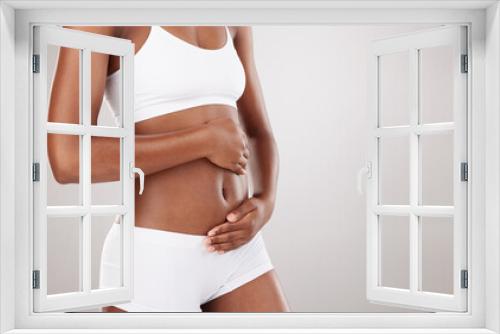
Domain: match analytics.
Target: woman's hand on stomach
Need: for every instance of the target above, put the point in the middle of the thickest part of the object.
(228, 145)
(241, 225)
(176, 138)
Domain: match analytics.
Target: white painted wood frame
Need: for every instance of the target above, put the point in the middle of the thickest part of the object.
(454, 37)
(85, 43)
(16, 20)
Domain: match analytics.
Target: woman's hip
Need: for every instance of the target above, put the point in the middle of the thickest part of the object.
(172, 270)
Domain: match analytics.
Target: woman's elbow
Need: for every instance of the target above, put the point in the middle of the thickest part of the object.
(65, 173)
(268, 139)
(64, 164)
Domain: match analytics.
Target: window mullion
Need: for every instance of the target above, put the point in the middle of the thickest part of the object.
(435, 128)
(86, 168)
(127, 149)
(413, 169)
(93, 130)
(421, 129)
(80, 175)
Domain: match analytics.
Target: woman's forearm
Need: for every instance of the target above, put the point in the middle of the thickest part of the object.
(157, 152)
(265, 166)
(153, 153)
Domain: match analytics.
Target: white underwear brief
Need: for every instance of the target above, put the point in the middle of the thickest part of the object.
(174, 272)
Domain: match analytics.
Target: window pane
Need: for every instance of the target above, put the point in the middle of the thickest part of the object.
(64, 252)
(394, 251)
(69, 85)
(437, 254)
(104, 190)
(393, 89)
(111, 107)
(63, 170)
(436, 169)
(394, 170)
(436, 84)
(107, 251)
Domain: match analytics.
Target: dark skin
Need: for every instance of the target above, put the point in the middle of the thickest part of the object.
(195, 160)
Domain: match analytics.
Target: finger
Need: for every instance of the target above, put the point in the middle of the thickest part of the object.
(238, 169)
(226, 237)
(241, 211)
(226, 247)
(224, 228)
(243, 163)
(235, 167)
(242, 158)
(242, 224)
(244, 137)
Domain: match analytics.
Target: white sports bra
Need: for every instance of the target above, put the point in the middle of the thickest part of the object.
(171, 74)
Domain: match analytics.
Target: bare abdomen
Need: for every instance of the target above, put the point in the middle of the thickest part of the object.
(192, 197)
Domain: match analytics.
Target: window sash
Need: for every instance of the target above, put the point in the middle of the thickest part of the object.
(86, 43)
(451, 36)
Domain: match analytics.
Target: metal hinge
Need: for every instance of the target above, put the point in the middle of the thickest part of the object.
(36, 279)
(36, 63)
(464, 279)
(464, 171)
(36, 172)
(464, 64)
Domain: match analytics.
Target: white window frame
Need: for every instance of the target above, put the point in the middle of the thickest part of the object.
(86, 43)
(483, 315)
(455, 37)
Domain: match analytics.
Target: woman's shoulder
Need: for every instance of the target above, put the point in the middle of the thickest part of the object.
(133, 33)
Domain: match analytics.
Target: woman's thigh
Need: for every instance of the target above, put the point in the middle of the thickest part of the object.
(263, 294)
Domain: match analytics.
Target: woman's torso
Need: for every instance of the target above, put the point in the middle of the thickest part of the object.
(195, 196)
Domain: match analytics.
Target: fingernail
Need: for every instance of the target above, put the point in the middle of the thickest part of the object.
(211, 233)
(211, 249)
(220, 252)
(208, 241)
(231, 216)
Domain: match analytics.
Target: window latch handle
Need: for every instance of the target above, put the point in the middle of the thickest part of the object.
(367, 170)
(134, 170)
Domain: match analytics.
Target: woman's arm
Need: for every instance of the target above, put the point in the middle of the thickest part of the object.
(153, 153)
(247, 219)
(220, 140)
(252, 109)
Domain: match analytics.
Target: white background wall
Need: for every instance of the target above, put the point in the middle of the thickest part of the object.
(314, 80)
